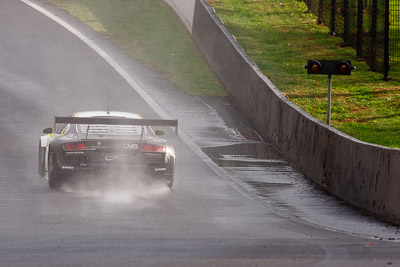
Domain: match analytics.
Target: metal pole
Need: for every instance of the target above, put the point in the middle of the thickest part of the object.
(386, 45)
(328, 118)
(360, 21)
(320, 10)
(374, 18)
(333, 17)
(346, 22)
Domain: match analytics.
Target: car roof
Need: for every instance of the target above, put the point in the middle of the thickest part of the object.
(121, 114)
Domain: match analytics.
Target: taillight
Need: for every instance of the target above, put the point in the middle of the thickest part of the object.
(153, 148)
(76, 146)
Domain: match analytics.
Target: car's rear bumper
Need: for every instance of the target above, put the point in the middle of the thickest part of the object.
(91, 165)
(151, 169)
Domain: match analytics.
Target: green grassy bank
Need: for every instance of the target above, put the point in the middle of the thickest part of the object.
(279, 35)
(150, 32)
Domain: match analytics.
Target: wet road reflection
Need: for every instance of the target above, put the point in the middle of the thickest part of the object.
(258, 168)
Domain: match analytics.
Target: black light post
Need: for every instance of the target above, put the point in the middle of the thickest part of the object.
(329, 67)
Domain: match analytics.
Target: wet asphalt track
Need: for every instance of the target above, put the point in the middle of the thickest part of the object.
(204, 221)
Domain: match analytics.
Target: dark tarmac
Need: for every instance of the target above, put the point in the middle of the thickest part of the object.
(253, 210)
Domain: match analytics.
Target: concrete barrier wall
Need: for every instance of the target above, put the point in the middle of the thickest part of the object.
(364, 175)
(184, 9)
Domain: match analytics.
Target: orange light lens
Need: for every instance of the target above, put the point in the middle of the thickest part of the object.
(343, 68)
(315, 67)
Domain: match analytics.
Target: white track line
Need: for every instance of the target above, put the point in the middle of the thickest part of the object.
(105, 56)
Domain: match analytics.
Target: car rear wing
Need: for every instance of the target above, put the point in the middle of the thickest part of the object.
(117, 121)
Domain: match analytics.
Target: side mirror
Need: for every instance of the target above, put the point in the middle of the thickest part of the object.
(47, 130)
(159, 132)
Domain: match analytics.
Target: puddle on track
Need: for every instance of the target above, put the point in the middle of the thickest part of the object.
(261, 171)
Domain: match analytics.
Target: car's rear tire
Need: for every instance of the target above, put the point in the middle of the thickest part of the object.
(41, 166)
(171, 173)
(55, 178)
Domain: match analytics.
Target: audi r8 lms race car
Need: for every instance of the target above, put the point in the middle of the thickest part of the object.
(93, 142)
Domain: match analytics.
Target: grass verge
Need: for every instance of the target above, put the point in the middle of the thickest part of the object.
(279, 35)
(150, 32)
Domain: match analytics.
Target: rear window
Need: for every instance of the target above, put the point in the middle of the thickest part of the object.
(103, 129)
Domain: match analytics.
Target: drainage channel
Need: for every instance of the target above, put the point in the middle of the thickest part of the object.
(260, 170)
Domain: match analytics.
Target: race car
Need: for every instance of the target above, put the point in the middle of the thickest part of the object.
(94, 142)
